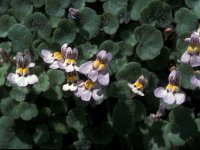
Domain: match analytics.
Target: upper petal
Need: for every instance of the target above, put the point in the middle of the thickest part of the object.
(101, 54)
(160, 92)
(108, 57)
(169, 98)
(180, 98)
(195, 61)
(185, 58)
(86, 67)
(97, 94)
(104, 78)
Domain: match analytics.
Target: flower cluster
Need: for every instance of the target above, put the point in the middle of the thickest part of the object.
(96, 72)
(22, 76)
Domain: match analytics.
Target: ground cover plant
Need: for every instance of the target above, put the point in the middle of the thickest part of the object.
(99, 74)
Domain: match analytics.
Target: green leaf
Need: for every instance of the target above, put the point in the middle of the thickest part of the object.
(19, 42)
(54, 93)
(28, 111)
(157, 13)
(19, 93)
(38, 3)
(88, 50)
(17, 143)
(82, 144)
(150, 42)
(41, 134)
(59, 125)
(125, 48)
(65, 32)
(190, 21)
(3, 71)
(137, 7)
(6, 46)
(54, 142)
(21, 8)
(195, 5)
(110, 23)
(128, 37)
(6, 22)
(56, 8)
(110, 46)
(56, 77)
(123, 119)
(156, 139)
(186, 75)
(182, 127)
(114, 6)
(4, 6)
(78, 4)
(90, 22)
(43, 84)
(116, 64)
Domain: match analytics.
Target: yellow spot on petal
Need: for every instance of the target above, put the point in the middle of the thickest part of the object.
(19, 71)
(96, 64)
(169, 87)
(196, 50)
(175, 88)
(138, 85)
(25, 71)
(73, 61)
(89, 84)
(58, 56)
(101, 67)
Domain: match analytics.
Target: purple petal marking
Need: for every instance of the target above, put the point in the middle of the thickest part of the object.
(195, 61)
(180, 98)
(86, 67)
(104, 78)
(185, 58)
(160, 92)
(97, 94)
(195, 82)
(12, 78)
(169, 98)
(86, 95)
(174, 77)
(93, 75)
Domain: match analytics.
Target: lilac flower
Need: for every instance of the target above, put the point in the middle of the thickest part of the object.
(22, 76)
(192, 55)
(139, 85)
(171, 94)
(54, 58)
(195, 81)
(72, 82)
(70, 56)
(74, 13)
(87, 90)
(98, 70)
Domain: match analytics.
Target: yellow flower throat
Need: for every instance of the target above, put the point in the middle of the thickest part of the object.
(22, 71)
(89, 84)
(171, 87)
(58, 56)
(192, 49)
(98, 65)
(71, 61)
(138, 85)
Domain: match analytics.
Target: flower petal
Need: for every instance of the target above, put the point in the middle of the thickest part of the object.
(32, 79)
(185, 58)
(66, 87)
(180, 98)
(93, 75)
(22, 81)
(76, 68)
(54, 65)
(104, 78)
(74, 53)
(130, 85)
(86, 67)
(140, 93)
(61, 65)
(169, 98)
(86, 95)
(101, 54)
(160, 92)
(31, 65)
(69, 68)
(195, 61)
(47, 56)
(97, 94)
(73, 87)
(108, 57)
(195, 82)
(12, 78)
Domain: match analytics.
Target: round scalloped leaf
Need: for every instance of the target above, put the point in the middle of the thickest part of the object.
(4, 6)
(3, 71)
(65, 32)
(190, 21)
(20, 36)
(59, 125)
(18, 143)
(123, 119)
(54, 142)
(195, 4)
(125, 49)
(110, 23)
(6, 22)
(114, 6)
(137, 7)
(157, 13)
(19, 93)
(186, 75)
(56, 77)
(101, 135)
(41, 134)
(110, 46)
(21, 8)
(88, 50)
(129, 72)
(90, 22)
(128, 37)
(6, 46)
(156, 138)
(116, 64)
(90, 1)
(38, 3)
(43, 84)
(56, 8)
(78, 4)
(182, 127)
(82, 143)
(150, 42)
(27, 111)
(54, 93)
